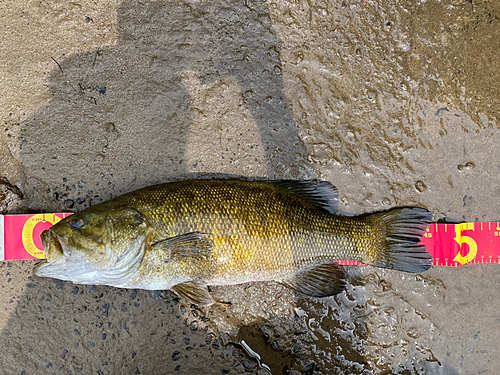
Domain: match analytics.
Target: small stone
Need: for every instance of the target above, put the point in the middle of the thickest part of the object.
(275, 345)
(176, 355)
(420, 186)
(309, 369)
(215, 344)
(209, 338)
(250, 365)
(68, 203)
(470, 165)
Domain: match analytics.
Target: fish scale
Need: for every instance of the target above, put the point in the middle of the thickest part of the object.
(257, 229)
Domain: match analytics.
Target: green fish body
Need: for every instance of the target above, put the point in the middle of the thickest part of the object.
(190, 234)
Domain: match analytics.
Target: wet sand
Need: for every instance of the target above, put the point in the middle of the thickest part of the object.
(395, 102)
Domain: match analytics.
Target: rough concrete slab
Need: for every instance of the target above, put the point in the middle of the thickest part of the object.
(396, 102)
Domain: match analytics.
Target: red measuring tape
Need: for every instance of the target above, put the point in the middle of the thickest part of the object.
(20, 235)
(454, 245)
(451, 245)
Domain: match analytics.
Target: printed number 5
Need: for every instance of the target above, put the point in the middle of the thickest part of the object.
(467, 240)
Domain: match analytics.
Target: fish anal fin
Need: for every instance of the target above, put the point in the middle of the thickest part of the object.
(321, 194)
(194, 244)
(195, 293)
(323, 280)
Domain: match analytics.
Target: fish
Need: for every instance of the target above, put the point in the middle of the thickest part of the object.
(187, 235)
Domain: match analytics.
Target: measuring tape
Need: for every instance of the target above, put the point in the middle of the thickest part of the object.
(20, 235)
(451, 245)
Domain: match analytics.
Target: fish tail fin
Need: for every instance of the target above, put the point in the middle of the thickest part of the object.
(400, 247)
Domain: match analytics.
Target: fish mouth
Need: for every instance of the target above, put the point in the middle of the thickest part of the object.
(55, 254)
(60, 263)
(53, 246)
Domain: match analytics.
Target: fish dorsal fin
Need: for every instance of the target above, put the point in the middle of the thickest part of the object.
(193, 244)
(320, 194)
(324, 280)
(195, 293)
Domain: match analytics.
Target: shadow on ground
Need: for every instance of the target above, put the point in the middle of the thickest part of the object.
(130, 107)
(60, 328)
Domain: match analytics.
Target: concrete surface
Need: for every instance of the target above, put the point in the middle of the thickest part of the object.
(395, 102)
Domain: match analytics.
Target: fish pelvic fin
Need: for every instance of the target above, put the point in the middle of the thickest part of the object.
(323, 280)
(400, 248)
(194, 293)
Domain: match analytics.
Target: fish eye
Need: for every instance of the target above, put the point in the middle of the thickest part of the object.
(76, 223)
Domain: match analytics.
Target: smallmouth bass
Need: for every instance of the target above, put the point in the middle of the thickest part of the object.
(189, 234)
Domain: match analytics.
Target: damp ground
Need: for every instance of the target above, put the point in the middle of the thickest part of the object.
(395, 102)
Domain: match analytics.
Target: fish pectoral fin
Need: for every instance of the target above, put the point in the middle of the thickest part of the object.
(195, 293)
(186, 245)
(324, 280)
